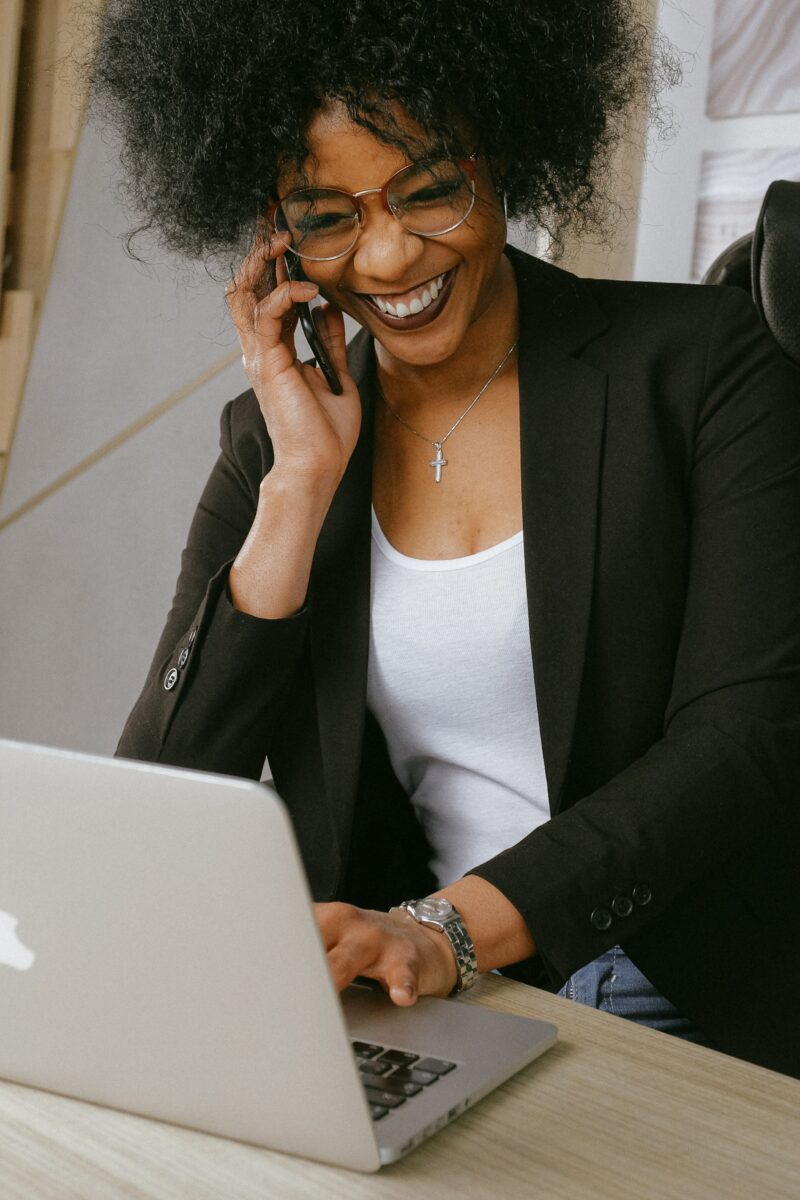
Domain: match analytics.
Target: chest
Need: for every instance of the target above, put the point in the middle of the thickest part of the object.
(477, 501)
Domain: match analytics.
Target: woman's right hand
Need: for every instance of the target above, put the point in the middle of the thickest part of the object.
(313, 432)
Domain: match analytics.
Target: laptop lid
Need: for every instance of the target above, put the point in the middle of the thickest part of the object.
(159, 954)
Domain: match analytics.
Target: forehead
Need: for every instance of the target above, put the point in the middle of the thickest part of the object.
(344, 154)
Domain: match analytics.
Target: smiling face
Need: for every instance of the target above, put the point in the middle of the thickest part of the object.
(419, 296)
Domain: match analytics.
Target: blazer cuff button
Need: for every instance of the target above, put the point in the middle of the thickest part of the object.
(601, 919)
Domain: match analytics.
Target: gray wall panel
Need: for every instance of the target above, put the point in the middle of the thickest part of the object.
(86, 579)
(116, 336)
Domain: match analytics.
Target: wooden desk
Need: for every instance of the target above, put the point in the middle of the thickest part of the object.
(613, 1112)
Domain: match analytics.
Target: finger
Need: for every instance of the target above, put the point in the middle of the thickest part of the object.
(333, 917)
(269, 346)
(282, 276)
(329, 321)
(397, 971)
(279, 249)
(388, 960)
(275, 271)
(241, 290)
(255, 278)
(252, 265)
(277, 309)
(329, 935)
(345, 965)
(402, 985)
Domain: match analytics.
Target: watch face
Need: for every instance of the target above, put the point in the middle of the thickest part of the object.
(436, 908)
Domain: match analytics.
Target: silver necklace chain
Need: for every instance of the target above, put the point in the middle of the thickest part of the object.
(439, 462)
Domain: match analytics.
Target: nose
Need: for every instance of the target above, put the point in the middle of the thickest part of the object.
(385, 250)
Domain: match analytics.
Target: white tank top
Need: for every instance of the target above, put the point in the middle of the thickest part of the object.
(451, 685)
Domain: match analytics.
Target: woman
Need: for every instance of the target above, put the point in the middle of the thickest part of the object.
(514, 617)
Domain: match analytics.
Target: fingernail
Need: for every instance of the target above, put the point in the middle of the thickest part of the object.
(403, 991)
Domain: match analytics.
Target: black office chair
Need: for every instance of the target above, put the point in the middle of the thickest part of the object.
(766, 263)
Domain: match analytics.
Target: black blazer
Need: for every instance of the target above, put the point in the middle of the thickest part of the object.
(660, 449)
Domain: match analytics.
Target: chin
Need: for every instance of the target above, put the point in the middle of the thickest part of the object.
(420, 349)
(434, 343)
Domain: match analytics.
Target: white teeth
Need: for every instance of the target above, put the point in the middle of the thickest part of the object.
(415, 305)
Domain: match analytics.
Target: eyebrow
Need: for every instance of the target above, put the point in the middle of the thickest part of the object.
(434, 150)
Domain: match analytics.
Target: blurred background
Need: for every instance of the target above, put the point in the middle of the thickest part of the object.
(113, 372)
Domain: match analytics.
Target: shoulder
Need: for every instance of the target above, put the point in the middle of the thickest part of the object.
(689, 331)
(615, 323)
(666, 309)
(667, 330)
(687, 357)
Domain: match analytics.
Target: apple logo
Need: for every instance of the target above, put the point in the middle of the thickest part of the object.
(13, 953)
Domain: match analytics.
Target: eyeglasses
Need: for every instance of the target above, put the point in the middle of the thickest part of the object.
(427, 198)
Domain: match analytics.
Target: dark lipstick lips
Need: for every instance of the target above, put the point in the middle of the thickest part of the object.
(416, 320)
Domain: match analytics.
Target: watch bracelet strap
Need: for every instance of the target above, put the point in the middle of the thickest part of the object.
(461, 944)
(464, 951)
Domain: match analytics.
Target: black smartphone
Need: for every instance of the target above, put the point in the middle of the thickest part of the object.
(295, 272)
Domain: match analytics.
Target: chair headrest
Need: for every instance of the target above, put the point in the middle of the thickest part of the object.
(776, 265)
(732, 266)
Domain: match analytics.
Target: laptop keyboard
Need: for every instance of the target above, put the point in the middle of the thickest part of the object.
(391, 1077)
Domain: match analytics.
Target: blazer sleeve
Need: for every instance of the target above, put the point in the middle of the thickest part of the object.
(723, 778)
(219, 676)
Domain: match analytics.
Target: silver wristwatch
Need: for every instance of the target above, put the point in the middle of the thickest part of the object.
(442, 915)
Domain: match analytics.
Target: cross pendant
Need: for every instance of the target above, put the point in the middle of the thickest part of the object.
(438, 462)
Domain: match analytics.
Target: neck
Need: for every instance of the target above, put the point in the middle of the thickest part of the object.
(412, 388)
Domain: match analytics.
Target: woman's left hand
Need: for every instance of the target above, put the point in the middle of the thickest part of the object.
(407, 959)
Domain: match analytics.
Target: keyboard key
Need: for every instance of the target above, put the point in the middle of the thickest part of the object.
(366, 1049)
(400, 1058)
(373, 1066)
(377, 1111)
(389, 1084)
(384, 1099)
(437, 1066)
(411, 1075)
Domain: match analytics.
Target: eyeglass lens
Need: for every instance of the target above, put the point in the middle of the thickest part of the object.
(426, 198)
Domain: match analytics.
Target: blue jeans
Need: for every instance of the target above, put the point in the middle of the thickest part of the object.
(611, 983)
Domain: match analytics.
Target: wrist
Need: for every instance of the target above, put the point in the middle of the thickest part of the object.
(440, 945)
(498, 930)
(269, 577)
(309, 490)
(439, 916)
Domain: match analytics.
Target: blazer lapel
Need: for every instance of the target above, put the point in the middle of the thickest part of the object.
(339, 595)
(562, 420)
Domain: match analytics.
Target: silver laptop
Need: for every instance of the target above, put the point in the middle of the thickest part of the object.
(159, 954)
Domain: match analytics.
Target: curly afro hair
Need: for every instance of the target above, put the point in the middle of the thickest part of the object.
(212, 98)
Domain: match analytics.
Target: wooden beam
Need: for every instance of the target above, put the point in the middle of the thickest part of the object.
(16, 339)
(66, 113)
(10, 27)
(42, 115)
